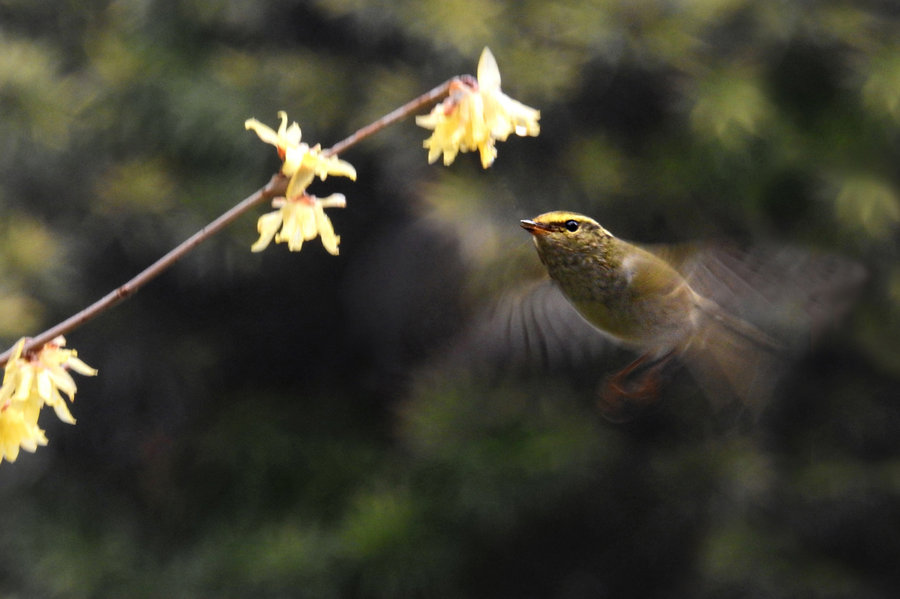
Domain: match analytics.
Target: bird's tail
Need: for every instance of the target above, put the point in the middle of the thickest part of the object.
(733, 360)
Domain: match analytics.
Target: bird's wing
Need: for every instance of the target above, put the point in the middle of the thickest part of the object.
(532, 327)
(791, 293)
(762, 306)
(732, 360)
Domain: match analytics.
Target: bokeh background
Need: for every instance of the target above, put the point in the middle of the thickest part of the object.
(302, 425)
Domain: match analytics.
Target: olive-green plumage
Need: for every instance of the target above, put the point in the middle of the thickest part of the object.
(661, 310)
(618, 287)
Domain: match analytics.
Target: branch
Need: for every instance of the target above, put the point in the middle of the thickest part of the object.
(276, 186)
(390, 118)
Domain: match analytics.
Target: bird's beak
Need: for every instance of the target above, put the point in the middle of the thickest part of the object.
(534, 228)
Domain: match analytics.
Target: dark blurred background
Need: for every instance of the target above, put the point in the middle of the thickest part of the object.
(291, 425)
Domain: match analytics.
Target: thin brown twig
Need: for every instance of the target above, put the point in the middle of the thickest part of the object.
(392, 117)
(128, 289)
(272, 189)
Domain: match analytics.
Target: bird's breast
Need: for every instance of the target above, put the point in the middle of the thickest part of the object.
(648, 317)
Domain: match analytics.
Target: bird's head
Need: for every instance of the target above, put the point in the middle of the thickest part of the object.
(566, 232)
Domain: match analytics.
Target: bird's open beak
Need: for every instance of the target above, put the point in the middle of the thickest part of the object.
(534, 228)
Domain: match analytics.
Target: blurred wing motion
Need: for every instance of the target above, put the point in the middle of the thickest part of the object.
(760, 309)
(791, 293)
(733, 360)
(767, 305)
(532, 328)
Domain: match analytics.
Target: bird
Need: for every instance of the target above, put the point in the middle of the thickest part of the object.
(733, 317)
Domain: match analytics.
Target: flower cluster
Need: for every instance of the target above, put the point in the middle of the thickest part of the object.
(300, 217)
(475, 115)
(297, 220)
(30, 382)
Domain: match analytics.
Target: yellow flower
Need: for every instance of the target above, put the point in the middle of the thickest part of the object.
(475, 115)
(299, 219)
(283, 139)
(301, 162)
(18, 416)
(19, 430)
(29, 383)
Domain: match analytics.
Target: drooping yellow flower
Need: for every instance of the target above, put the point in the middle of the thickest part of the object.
(29, 383)
(474, 115)
(19, 430)
(18, 418)
(302, 163)
(299, 219)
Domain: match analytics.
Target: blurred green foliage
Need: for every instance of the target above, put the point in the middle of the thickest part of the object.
(286, 425)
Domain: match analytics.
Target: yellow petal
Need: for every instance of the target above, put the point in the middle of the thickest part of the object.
(300, 180)
(477, 132)
(298, 218)
(428, 121)
(24, 382)
(80, 367)
(307, 220)
(284, 139)
(331, 165)
(29, 443)
(289, 136)
(335, 200)
(326, 231)
(44, 386)
(488, 153)
(265, 133)
(11, 449)
(18, 430)
(488, 71)
(294, 157)
(450, 154)
(62, 381)
(513, 117)
(16, 354)
(447, 134)
(267, 226)
(62, 410)
(435, 151)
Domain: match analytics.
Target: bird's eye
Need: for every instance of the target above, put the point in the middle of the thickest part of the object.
(571, 225)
